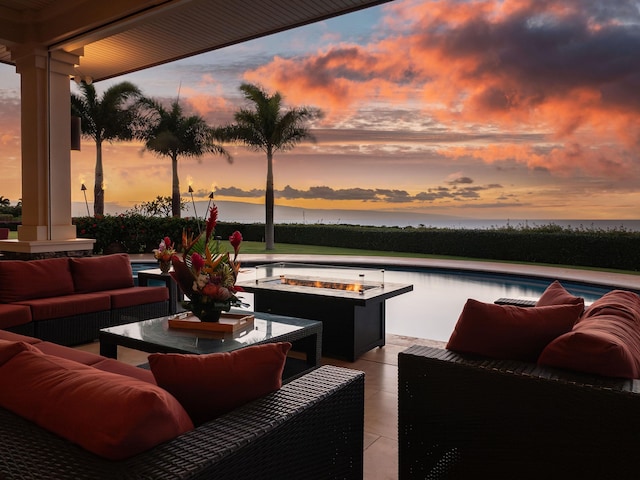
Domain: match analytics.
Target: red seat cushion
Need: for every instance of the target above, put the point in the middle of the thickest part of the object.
(67, 306)
(210, 385)
(133, 296)
(510, 332)
(107, 272)
(24, 280)
(14, 315)
(605, 341)
(111, 415)
(556, 294)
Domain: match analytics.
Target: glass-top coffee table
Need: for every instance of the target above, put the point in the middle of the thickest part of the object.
(155, 336)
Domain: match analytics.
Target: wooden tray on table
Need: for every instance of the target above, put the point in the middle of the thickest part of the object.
(228, 323)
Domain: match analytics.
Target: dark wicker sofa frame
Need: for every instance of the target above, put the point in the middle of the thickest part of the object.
(462, 416)
(312, 428)
(78, 329)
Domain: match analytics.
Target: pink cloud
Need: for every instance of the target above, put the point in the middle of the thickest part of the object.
(566, 69)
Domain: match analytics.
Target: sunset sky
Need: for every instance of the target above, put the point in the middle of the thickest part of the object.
(486, 109)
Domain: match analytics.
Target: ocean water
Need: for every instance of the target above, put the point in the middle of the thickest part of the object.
(252, 213)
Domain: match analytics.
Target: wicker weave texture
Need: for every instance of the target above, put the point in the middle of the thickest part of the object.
(471, 417)
(312, 428)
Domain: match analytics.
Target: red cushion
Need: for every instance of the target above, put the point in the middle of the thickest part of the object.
(69, 305)
(111, 415)
(114, 366)
(107, 272)
(16, 337)
(210, 385)
(14, 315)
(9, 349)
(510, 332)
(556, 294)
(24, 280)
(75, 354)
(606, 340)
(133, 296)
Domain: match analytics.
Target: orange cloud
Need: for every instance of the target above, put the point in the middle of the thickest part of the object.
(565, 69)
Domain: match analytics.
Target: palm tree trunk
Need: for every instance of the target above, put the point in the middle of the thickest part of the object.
(268, 203)
(98, 190)
(175, 186)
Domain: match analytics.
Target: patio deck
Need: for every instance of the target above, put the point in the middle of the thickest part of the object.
(381, 364)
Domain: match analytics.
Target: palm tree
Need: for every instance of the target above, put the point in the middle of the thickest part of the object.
(112, 117)
(267, 128)
(170, 134)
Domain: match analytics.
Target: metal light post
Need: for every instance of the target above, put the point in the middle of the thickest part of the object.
(195, 214)
(84, 191)
(209, 205)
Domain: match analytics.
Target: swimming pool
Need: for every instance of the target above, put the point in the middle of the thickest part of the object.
(431, 310)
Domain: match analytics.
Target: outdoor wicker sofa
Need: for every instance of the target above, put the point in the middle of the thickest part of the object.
(68, 300)
(312, 428)
(465, 416)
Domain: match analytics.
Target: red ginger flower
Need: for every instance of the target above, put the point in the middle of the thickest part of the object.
(213, 219)
(236, 239)
(197, 262)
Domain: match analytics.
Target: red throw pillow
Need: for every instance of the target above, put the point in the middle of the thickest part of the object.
(210, 385)
(605, 341)
(510, 332)
(556, 294)
(105, 272)
(25, 280)
(9, 349)
(111, 415)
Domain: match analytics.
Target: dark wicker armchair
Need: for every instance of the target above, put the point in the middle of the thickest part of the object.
(310, 429)
(470, 417)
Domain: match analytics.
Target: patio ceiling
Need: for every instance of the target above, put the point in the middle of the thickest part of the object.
(115, 37)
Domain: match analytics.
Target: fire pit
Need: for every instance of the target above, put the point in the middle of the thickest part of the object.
(336, 285)
(350, 302)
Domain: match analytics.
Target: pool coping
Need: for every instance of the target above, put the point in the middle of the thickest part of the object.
(616, 280)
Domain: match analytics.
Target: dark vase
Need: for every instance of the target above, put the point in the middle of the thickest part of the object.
(208, 315)
(165, 266)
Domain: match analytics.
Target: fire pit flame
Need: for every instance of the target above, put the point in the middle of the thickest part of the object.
(349, 287)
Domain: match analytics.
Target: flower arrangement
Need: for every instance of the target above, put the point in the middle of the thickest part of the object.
(164, 253)
(165, 250)
(206, 275)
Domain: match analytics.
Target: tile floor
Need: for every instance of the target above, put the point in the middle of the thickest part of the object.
(381, 404)
(381, 400)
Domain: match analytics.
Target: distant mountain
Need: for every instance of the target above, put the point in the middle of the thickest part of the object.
(252, 213)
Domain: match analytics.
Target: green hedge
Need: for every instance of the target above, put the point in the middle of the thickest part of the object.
(618, 249)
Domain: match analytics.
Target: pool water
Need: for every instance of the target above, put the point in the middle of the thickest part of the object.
(431, 310)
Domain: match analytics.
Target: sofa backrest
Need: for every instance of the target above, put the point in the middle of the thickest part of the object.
(107, 272)
(25, 280)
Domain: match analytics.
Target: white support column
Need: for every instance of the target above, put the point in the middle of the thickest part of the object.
(60, 67)
(46, 158)
(32, 65)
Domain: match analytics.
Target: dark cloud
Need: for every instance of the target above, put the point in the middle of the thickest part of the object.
(461, 180)
(364, 194)
(539, 51)
(237, 192)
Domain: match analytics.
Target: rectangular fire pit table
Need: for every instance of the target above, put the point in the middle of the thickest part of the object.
(350, 302)
(155, 335)
(156, 275)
